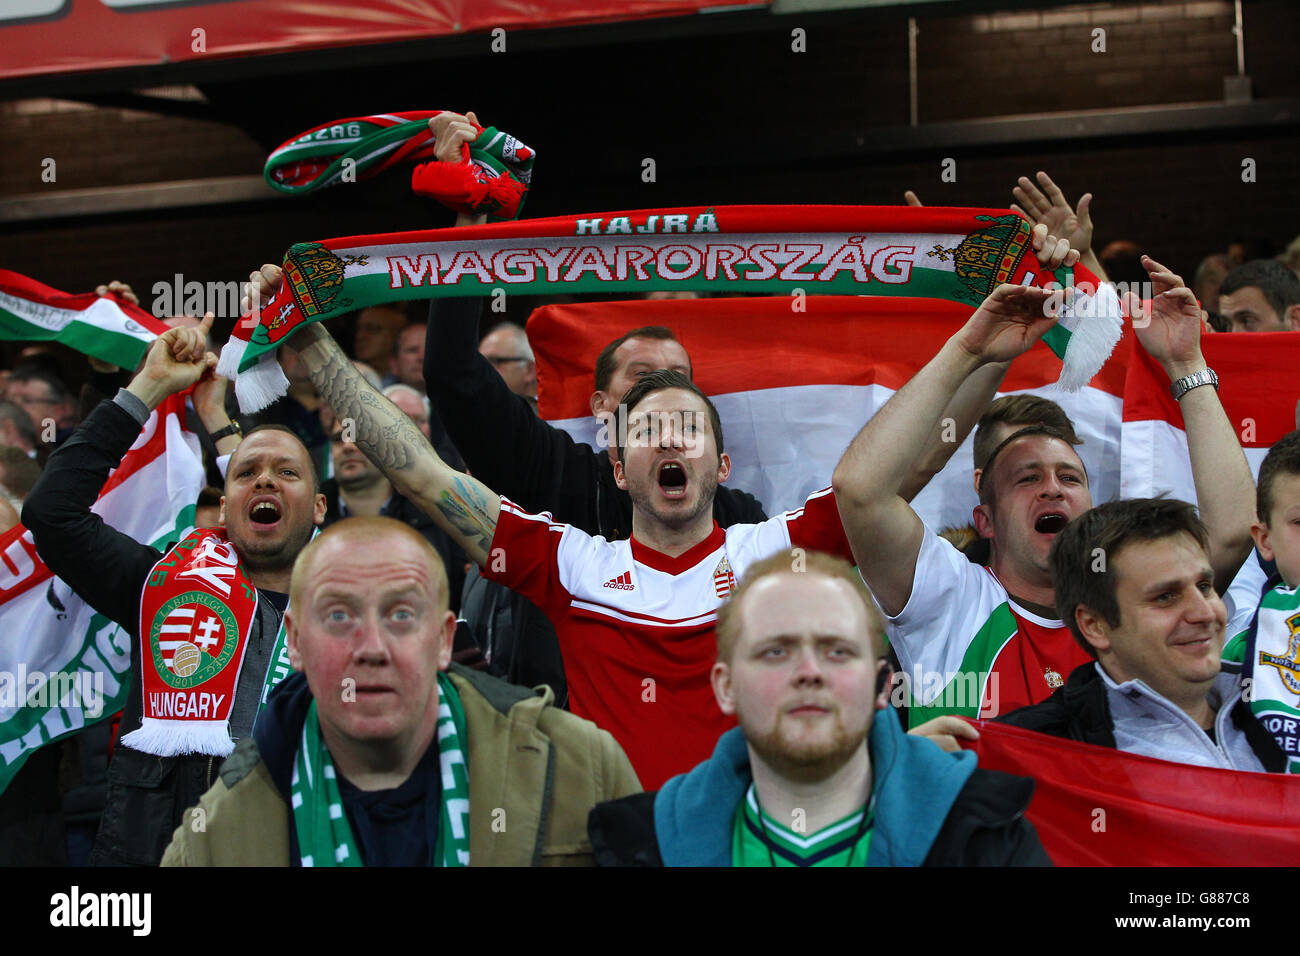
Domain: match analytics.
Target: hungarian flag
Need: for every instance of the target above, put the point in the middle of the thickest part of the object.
(795, 379)
(62, 665)
(1094, 806)
(1257, 386)
(104, 327)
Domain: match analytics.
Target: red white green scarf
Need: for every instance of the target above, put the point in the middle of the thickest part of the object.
(196, 613)
(909, 252)
(492, 177)
(106, 327)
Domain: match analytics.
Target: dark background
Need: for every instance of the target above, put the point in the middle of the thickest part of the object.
(721, 103)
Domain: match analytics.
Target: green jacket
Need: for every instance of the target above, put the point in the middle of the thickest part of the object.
(544, 767)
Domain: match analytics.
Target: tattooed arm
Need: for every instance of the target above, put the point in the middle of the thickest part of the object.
(462, 506)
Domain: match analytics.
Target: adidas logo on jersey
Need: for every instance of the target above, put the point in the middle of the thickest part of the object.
(622, 583)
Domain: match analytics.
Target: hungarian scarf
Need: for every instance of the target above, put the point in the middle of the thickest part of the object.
(105, 327)
(196, 613)
(758, 840)
(492, 177)
(1271, 661)
(324, 834)
(914, 253)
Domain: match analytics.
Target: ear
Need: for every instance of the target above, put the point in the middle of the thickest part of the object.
(291, 639)
(599, 402)
(1291, 318)
(1260, 532)
(720, 680)
(619, 478)
(318, 509)
(221, 513)
(884, 683)
(1093, 627)
(724, 468)
(976, 479)
(982, 518)
(446, 639)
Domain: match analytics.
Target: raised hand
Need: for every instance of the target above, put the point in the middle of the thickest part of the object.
(1049, 207)
(451, 131)
(177, 359)
(120, 289)
(1170, 330)
(1008, 322)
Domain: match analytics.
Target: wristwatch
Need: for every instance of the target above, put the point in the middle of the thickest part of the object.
(1185, 384)
(231, 429)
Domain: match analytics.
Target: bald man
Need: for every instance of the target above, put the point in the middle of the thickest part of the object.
(376, 700)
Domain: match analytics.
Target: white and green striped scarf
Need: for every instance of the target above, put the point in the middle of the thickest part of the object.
(324, 834)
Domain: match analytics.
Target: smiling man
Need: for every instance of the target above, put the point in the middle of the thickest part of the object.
(983, 641)
(379, 752)
(270, 507)
(819, 772)
(1153, 627)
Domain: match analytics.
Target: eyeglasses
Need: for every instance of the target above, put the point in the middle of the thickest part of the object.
(508, 359)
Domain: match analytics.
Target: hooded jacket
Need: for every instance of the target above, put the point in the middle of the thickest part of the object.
(933, 808)
(542, 767)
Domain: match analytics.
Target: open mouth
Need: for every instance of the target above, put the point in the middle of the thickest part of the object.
(1051, 523)
(264, 513)
(672, 479)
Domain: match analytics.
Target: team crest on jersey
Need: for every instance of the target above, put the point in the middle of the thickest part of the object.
(723, 580)
(1054, 679)
(193, 637)
(1288, 664)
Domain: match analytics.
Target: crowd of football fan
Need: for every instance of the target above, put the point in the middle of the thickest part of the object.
(601, 622)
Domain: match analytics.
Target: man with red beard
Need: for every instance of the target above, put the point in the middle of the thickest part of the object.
(271, 504)
(819, 772)
(984, 641)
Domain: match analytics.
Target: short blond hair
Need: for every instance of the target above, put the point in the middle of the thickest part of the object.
(797, 561)
(365, 530)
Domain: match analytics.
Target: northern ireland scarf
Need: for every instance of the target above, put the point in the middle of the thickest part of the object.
(1272, 665)
(492, 177)
(324, 835)
(908, 252)
(196, 613)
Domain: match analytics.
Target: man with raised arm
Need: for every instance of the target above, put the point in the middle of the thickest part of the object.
(214, 604)
(985, 641)
(634, 617)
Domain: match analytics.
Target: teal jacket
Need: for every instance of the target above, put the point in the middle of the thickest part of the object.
(932, 808)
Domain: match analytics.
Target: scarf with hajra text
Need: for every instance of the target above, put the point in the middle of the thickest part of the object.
(492, 177)
(912, 253)
(325, 837)
(197, 610)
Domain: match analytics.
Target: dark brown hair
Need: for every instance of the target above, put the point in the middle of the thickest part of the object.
(1083, 555)
(605, 364)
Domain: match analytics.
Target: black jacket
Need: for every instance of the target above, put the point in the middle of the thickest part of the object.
(147, 795)
(1081, 711)
(986, 826)
(515, 453)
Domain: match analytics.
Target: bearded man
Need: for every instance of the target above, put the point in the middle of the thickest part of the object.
(819, 772)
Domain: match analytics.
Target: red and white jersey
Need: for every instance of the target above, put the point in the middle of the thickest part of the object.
(636, 626)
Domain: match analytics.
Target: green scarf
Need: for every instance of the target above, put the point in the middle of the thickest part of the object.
(492, 177)
(903, 252)
(324, 835)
